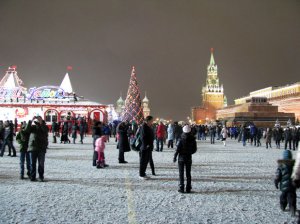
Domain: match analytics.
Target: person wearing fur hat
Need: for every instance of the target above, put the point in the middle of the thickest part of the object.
(186, 146)
(284, 180)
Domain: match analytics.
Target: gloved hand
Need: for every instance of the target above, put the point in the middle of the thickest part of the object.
(296, 183)
(276, 185)
(174, 160)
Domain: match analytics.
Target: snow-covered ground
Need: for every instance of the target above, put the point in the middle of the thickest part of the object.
(231, 184)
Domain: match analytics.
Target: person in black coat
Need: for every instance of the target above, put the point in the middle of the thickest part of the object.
(177, 131)
(123, 143)
(81, 130)
(288, 138)
(186, 146)
(54, 130)
(64, 134)
(147, 138)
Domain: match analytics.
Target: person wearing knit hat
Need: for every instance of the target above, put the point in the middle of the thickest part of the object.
(186, 129)
(284, 180)
(186, 146)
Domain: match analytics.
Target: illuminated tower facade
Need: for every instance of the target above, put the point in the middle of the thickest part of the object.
(212, 92)
(212, 95)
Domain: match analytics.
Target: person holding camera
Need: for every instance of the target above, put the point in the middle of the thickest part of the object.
(38, 143)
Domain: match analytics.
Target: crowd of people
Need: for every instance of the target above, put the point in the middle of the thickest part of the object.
(33, 139)
(251, 134)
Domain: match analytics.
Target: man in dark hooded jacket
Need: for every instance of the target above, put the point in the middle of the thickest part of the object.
(186, 146)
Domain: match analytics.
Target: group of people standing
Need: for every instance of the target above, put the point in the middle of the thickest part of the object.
(33, 140)
(69, 128)
(144, 136)
(289, 135)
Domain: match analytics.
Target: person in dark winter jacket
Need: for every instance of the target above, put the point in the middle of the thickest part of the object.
(23, 139)
(107, 132)
(277, 133)
(38, 143)
(186, 146)
(259, 136)
(81, 131)
(123, 143)
(97, 131)
(212, 133)
(283, 179)
(243, 136)
(54, 130)
(288, 138)
(8, 140)
(253, 134)
(147, 138)
(294, 137)
(177, 131)
(65, 133)
(268, 136)
(75, 129)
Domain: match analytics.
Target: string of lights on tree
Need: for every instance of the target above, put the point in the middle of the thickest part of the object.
(133, 110)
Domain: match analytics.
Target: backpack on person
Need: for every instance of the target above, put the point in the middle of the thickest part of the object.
(136, 142)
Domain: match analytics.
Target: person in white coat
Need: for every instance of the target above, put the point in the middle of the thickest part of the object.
(224, 133)
(170, 131)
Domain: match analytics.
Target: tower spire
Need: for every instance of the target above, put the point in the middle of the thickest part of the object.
(212, 60)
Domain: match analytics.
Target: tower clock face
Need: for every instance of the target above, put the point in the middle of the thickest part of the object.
(213, 81)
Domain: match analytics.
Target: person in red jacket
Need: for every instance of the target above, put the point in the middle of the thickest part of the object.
(160, 135)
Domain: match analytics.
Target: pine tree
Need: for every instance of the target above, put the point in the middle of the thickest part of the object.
(133, 110)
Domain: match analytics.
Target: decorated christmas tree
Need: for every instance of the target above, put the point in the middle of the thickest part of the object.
(133, 110)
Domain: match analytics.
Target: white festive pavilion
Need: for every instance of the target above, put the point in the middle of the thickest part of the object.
(53, 103)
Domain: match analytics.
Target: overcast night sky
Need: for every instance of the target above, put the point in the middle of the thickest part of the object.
(256, 42)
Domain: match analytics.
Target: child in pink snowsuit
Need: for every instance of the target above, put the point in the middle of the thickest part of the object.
(99, 148)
